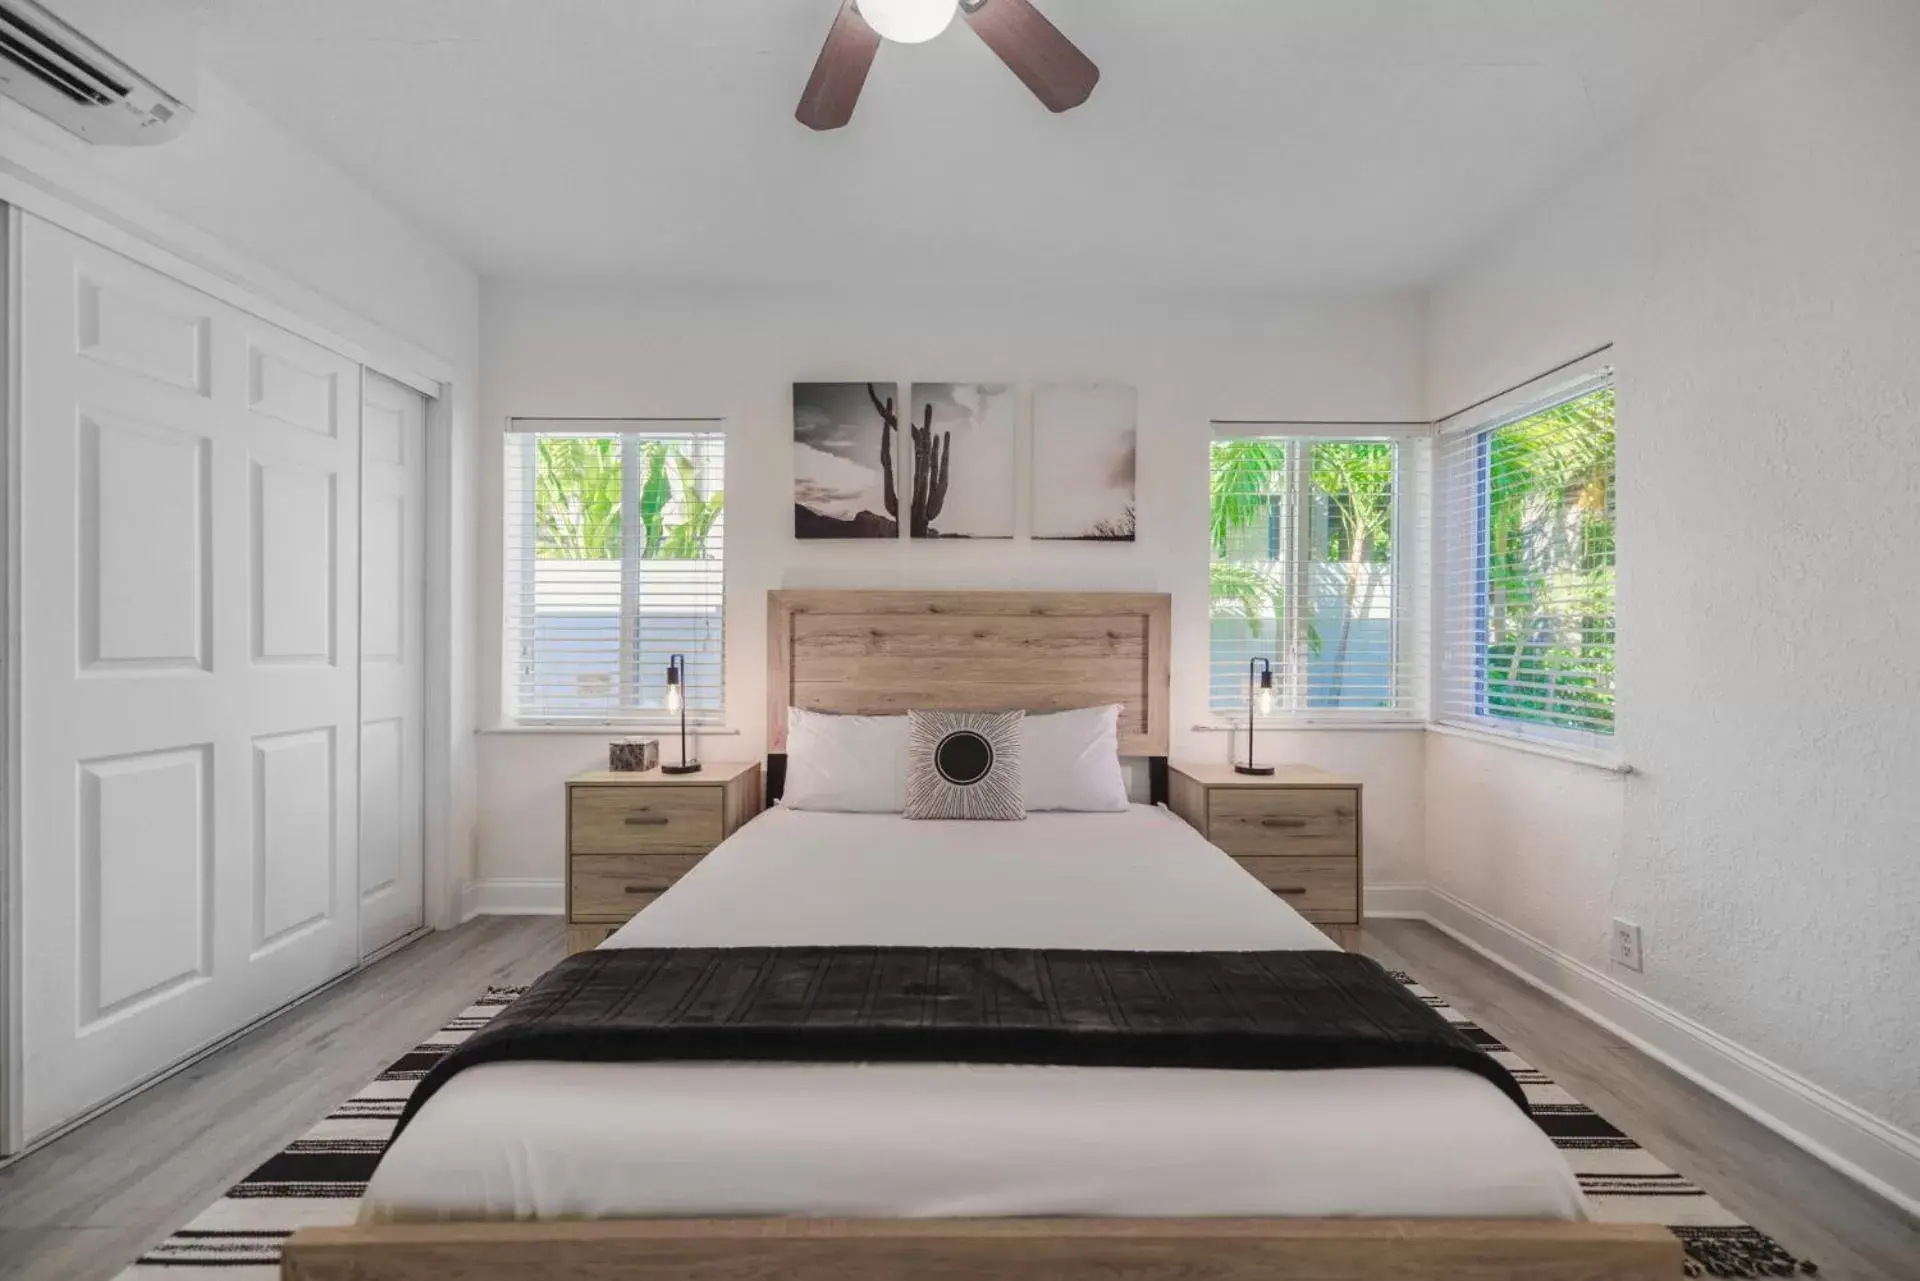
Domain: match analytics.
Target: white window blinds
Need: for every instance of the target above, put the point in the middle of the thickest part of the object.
(1307, 552)
(615, 537)
(1525, 543)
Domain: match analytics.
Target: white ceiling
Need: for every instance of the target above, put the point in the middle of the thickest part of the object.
(1256, 144)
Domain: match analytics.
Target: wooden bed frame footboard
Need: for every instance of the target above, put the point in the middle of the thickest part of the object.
(988, 1250)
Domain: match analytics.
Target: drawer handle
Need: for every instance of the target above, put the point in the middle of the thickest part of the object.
(646, 820)
(1288, 890)
(1283, 822)
(642, 889)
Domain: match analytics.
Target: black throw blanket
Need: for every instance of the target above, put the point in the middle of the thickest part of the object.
(1261, 1011)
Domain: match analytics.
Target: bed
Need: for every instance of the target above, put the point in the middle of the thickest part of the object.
(590, 1170)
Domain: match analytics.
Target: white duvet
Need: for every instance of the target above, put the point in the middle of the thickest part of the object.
(552, 1140)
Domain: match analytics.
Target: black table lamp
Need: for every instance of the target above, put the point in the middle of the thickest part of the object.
(1260, 698)
(677, 702)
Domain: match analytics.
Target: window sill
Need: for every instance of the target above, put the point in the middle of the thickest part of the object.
(1606, 764)
(612, 729)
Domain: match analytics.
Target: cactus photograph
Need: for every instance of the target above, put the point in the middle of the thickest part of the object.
(1085, 446)
(959, 480)
(845, 453)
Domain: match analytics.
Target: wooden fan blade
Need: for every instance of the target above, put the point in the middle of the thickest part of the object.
(845, 58)
(1047, 62)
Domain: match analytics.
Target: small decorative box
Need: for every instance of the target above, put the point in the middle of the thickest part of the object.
(633, 755)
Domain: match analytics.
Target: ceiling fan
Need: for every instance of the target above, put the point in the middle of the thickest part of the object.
(1033, 48)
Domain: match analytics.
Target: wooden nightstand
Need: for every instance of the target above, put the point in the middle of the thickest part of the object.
(631, 836)
(1297, 830)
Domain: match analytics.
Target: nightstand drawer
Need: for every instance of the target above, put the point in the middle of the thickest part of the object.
(645, 820)
(1320, 889)
(612, 887)
(1290, 821)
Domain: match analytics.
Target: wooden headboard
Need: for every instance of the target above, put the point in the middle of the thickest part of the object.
(880, 652)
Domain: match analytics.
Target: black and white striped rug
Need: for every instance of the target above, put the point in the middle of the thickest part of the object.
(318, 1180)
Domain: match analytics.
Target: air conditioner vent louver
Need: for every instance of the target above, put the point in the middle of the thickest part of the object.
(30, 49)
(111, 75)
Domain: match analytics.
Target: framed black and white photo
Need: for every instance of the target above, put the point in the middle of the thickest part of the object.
(1085, 446)
(846, 447)
(961, 482)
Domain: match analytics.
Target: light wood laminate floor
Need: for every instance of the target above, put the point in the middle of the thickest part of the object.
(85, 1206)
(91, 1202)
(1850, 1232)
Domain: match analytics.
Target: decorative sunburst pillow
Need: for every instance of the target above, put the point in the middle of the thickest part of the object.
(964, 765)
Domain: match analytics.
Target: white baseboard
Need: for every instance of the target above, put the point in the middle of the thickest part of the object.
(1860, 1145)
(1395, 900)
(530, 897)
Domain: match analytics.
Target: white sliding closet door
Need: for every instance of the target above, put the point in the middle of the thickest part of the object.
(189, 637)
(393, 530)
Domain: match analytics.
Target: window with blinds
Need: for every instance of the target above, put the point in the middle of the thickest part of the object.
(1305, 574)
(1525, 542)
(615, 536)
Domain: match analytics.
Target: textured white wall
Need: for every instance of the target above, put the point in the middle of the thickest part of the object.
(557, 351)
(1755, 256)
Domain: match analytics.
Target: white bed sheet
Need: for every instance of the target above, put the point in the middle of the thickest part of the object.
(589, 1140)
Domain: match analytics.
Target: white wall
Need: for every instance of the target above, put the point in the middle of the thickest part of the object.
(552, 351)
(250, 187)
(238, 196)
(1755, 256)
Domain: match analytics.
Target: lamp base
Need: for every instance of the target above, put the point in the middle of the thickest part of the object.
(693, 767)
(1259, 771)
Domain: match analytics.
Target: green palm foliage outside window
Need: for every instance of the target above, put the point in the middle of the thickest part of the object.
(1547, 595)
(1243, 486)
(1355, 479)
(578, 507)
(1303, 540)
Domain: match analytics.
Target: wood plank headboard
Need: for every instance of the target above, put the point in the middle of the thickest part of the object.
(880, 652)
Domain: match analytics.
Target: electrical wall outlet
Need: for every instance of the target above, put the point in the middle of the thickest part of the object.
(1626, 945)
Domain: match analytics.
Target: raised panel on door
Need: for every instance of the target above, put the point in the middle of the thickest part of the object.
(295, 563)
(392, 710)
(299, 388)
(383, 806)
(384, 588)
(294, 839)
(146, 868)
(145, 887)
(143, 324)
(145, 533)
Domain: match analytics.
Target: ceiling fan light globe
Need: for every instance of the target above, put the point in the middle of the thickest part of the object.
(908, 21)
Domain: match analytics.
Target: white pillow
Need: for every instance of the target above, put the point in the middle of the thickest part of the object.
(848, 764)
(1072, 760)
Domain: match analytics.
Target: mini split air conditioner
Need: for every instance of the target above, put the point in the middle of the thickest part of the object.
(112, 71)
